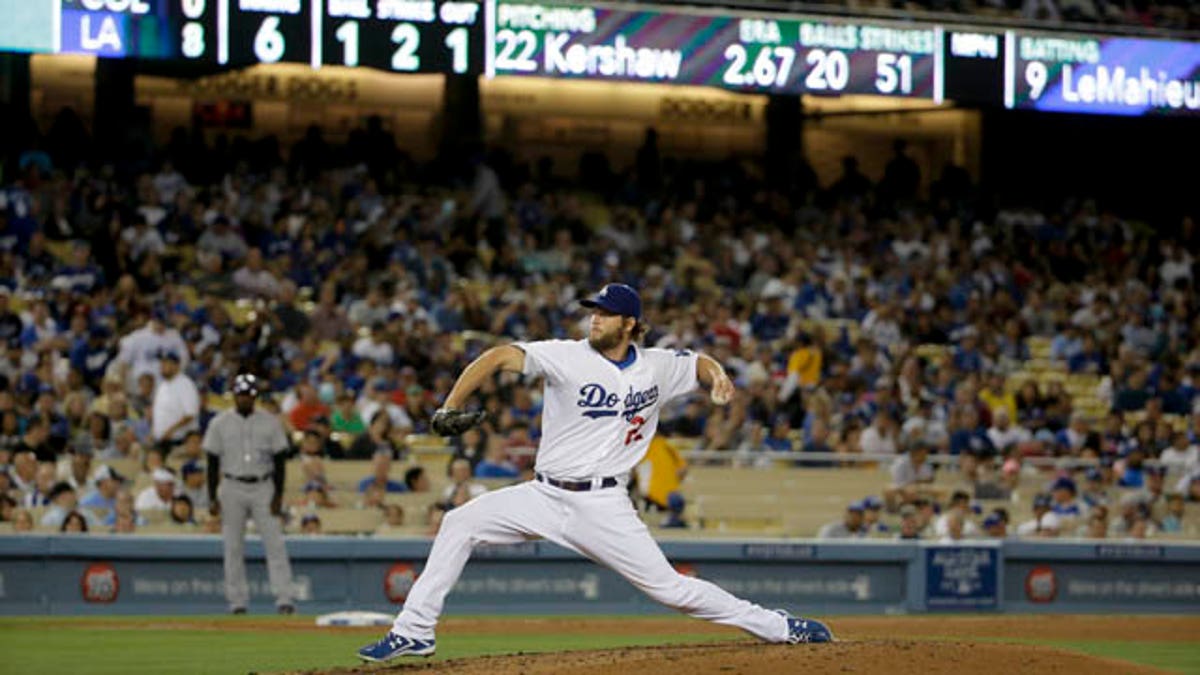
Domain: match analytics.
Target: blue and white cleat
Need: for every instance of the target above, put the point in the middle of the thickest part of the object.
(805, 631)
(394, 646)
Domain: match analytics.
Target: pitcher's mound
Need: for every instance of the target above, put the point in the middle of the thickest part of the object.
(895, 657)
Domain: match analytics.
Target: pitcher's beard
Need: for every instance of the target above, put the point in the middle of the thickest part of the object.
(604, 343)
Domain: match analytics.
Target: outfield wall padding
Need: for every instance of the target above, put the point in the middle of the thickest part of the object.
(101, 574)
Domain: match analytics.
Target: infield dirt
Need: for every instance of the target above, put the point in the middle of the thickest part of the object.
(898, 646)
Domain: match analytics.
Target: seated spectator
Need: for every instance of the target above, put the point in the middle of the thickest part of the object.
(308, 406)
(461, 489)
(393, 519)
(381, 466)
(125, 509)
(157, 497)
(818, 442)
(1133, 520)
(1094, 492)
(194, 485)
(102, 500)
(910, 473)
(1181, 454)
(1063, 502)
(871, 525)
(1044, 523)
(62, 502)
(310, 524)
(1096, 527)
(74, 523)
(779, 439)
(849, 527)
(954, 526)
(959, 508)
(880, 437)
(346, 419)
(8, 507)
(1172, 522)
(44, 482)
(22, 521)
(377, 439)
(416, 480)
(910, 523)
(995, 525)
(495, 464)
(316, 496)
(1003, 433)
(182, 511)
(1132, 471)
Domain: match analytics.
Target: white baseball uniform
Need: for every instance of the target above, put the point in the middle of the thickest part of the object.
(597, 422)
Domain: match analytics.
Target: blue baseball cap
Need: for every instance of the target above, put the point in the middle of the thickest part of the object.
(992, 520)
(617, 298)
(872, 502)
(190, 467)
(1063, 483)
(855, 506)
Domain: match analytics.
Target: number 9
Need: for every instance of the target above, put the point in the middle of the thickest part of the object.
(1036, 76)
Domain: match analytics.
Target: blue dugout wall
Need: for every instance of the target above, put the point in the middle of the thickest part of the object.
(182, 575)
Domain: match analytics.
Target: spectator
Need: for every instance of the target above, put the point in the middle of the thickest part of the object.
(194, 485)
(910, 523)
(880, 437)
(872, 525)
(381, 466)
(182, 511)
(74, 523)
(416, 480)
(62, 501)
(995, 526)
(850, 526)
(158, 496)
(376, 440)
(959, 510)
(910, 473)
(1064, 504)
(1044, 522)
(22, 521)
(1181, 454)
(310, 524)
(461, 489)
(102, 500)
(393, 520)
(1172, 522)
(176, 405)
(346, 419)
(495, 464)
(660, 473)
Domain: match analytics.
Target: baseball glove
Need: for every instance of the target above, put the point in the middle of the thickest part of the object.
(447, 422)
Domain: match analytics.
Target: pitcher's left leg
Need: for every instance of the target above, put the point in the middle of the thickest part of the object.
(605, 527)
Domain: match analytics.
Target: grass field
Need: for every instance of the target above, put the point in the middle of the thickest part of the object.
(128, 645)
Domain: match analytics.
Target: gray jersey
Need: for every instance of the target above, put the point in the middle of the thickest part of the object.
(246, 445)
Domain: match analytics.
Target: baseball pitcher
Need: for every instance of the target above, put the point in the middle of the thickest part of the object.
(602, 400)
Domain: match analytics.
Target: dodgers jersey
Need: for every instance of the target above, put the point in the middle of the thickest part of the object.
(598, 416)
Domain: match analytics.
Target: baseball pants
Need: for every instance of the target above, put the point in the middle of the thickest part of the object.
(601, 525)
(240, 501)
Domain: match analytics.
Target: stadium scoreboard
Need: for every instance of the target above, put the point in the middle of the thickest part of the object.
(408, 36)
(747, 53)
(726, 48)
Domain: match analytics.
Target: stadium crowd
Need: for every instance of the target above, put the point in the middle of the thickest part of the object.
(858, 318)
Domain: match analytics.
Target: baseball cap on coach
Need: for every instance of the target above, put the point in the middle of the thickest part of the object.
(245, 384)
(618, 299)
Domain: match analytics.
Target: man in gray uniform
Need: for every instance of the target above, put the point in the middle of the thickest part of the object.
(246, 447)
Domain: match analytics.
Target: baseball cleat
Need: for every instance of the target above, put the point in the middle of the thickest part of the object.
(394, 646)
(805, 631)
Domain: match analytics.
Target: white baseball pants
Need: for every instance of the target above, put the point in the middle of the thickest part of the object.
(599, 524)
